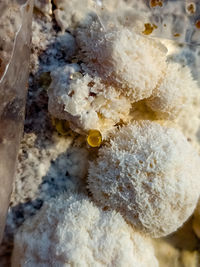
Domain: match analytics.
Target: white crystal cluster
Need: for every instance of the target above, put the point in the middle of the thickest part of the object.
(85, 101)
(120, 68)
(71, 231)
(144, 179)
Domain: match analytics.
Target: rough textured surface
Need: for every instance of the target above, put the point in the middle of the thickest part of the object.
(99, 93)
(188, 118)
(85, 101)
(71, 231)
(172, 96)
(150, 173)
(48, 163)
(133, 63)
(41, 174)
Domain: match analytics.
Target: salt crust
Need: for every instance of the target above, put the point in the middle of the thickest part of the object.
(133, 63)
(188, 119)
(173, 95)
(71, 231)
(189, 115)
(102, 97)
(38, 166)
(85, 101)
(121, 69)
(149, 173)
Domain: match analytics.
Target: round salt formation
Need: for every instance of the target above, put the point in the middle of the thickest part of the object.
(150, 174)
(133, 63)
(172, 95)
(71, 231)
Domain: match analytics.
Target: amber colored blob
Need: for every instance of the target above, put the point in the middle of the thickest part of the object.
(149, 28)
(94, 138)
(191, 8)
(154, 3)
(198, 24)
(176, 34)
(61, 126)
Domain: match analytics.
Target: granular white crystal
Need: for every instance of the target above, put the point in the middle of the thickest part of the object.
(85, 101)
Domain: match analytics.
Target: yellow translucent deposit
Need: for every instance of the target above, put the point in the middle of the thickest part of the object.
(154, 3)
(94, 138)
(198, 24)
(61, 126)
(149, 28)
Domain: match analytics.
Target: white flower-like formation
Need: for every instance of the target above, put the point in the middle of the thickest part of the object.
(145, 178)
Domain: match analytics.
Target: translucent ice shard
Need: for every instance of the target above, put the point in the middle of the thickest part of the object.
(15, 36)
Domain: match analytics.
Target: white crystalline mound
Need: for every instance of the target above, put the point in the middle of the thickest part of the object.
(133, 63)
(174, 92)
(150, 174)
(71, 231)
(85, 101)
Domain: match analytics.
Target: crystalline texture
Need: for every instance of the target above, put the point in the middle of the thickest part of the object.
(13, 80)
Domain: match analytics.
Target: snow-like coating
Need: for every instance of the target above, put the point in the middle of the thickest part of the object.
(133, 63)
(121, 67)
(48, 167)
(150, 174)
(172, 95)
(71, 231)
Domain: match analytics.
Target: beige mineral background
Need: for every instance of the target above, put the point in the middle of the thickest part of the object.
(49, 163)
